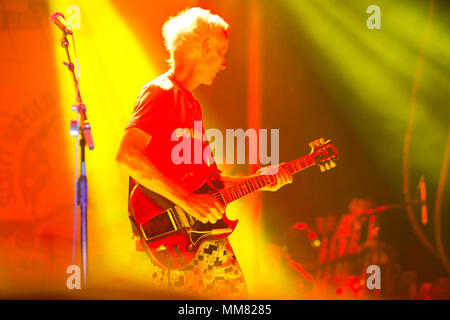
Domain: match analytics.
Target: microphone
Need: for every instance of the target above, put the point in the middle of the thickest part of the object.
(423, 199)
(58, 19)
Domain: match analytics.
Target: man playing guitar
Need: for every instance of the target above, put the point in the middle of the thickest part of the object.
(197, 42)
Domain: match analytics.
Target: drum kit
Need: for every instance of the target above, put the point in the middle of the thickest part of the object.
(336, 251)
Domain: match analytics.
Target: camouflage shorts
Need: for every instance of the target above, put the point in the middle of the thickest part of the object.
(214, 273)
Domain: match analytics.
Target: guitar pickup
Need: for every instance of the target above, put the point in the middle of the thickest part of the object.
(161, 225)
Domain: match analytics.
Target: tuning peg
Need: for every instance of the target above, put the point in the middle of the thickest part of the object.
(322, 140)
(332, 164)
(322, 168)
(327, 166)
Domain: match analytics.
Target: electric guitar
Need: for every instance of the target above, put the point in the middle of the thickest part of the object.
(172, 237)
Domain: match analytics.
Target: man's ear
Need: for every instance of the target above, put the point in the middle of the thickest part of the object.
(205, 45)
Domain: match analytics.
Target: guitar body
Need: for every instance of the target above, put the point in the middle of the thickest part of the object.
(170, 235)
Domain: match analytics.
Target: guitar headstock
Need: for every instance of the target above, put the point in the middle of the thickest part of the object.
(323, 153)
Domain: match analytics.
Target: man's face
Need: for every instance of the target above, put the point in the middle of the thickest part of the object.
(213, 59)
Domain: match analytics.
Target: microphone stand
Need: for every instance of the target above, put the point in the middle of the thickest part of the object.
(82, 130)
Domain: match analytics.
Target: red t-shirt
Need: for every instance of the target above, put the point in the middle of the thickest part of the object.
(170, 113)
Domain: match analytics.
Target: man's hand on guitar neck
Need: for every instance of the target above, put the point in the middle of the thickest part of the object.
(281, 174)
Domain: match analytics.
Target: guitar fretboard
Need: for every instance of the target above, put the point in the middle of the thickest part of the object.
(256, 183)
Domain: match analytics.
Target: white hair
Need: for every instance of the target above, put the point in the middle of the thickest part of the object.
(184, 33)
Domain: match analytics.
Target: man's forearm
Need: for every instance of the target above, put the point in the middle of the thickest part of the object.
(145, 173)
(200, 206)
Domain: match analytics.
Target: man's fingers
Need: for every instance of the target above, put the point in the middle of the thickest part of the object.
(317, 142)
(212, 219)
(220, 207)
(199, 215)
(213, 214)
(216, 213)
(214, 210)
(205, 216)
(204, 220)
(288, 176)
(285, 177)
(290, 179)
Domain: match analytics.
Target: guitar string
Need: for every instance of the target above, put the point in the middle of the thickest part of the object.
(290, 165)
(238, 189)
(302, 163)
(250, 183)
(235, 189)
(262, 179)
(293, 166)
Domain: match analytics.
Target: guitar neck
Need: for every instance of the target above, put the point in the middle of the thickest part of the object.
(240, 190)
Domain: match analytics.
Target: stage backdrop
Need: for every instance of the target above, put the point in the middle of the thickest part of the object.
(309, 68)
